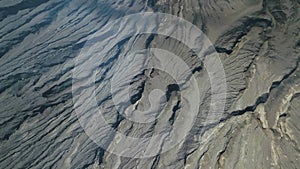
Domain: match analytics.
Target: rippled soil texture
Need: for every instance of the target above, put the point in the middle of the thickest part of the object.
(257, 41)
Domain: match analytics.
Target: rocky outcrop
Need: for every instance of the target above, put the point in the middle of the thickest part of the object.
(257, 42)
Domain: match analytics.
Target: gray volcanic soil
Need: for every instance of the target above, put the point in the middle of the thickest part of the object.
(258, 43)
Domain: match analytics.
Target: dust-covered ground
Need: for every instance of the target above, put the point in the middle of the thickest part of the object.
(257, 42)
